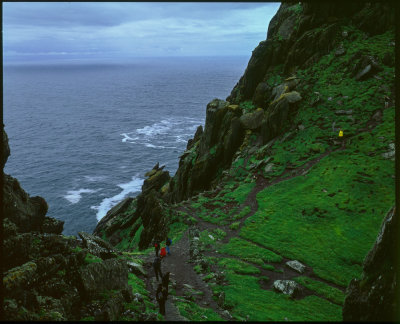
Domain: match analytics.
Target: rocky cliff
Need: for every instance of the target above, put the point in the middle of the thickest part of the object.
(51, 277)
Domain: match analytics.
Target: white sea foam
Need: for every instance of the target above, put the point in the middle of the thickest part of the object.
(73, 196)
(135, 185)
(128, 138)
(164, 134)
(94, 178)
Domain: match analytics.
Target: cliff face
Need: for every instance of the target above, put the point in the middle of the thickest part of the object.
(375, 296)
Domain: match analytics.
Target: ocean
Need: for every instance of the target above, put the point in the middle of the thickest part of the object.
(82, 135)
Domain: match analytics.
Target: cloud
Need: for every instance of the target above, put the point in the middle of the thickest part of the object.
(133, 28)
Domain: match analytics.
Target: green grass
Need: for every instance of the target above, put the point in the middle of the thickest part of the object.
(331, 293)
(332, 234)
(90, 258)
(194, 312)
(238, 266)
(249, 252)
(265, 305)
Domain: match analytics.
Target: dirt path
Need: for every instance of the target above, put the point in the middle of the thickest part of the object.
(181, 274)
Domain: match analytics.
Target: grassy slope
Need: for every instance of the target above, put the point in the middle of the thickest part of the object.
(328, 218)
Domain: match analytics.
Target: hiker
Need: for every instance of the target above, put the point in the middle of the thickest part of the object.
(168, 242)
(157, 247)
(163, 252)
(165, 281)
(161, 297)
(157, 267)
(341, 138)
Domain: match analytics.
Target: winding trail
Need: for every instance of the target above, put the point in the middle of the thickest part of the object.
(181, 269)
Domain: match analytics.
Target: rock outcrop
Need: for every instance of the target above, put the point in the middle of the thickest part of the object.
(51, 277)
(375, 296)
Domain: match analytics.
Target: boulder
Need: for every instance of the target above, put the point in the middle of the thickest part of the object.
(221, 299)
(136, 268)
(20, 278)
(288, 287)
(27, 213)
(296, 265)
(262, 94)
(111, 274)
(52, 225)
(97, 246)
(252, 120)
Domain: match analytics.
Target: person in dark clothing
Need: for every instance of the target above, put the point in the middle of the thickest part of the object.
(168, 242)
(165, 281)
(161, 296)
(157, 267)
(157, 247)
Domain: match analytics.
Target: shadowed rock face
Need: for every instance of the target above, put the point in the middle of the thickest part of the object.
(46, 275)
(375, 296)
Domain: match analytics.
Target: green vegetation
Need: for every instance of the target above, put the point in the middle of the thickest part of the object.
(194, 312)
(90, 258)
(238, 266)
(249, 252)
(331, 293)
(247, 106)
(266, 305)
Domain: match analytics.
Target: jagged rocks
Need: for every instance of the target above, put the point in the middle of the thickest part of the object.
(52, 225)
(27, 213)
(288, 287)
(375, 296)
(252, 120)
(111, 274)
(296, 265)
(262, 94)
(97, 246)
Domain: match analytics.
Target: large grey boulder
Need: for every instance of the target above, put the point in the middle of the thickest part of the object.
(296, 265)
(288, 287)
(97, 246)
(252, 120)
(111, 274)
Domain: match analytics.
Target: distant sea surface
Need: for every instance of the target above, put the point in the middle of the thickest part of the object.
(82, 135)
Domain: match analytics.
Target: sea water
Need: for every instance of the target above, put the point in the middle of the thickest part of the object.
(83, 134)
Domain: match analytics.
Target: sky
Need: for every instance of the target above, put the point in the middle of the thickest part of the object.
(89, 30)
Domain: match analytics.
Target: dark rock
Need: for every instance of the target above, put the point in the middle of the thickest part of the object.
(388, 59)
(111, 274)
(375, 296)
(97, 246)
(27, 213)
(252, 120)
(196, 138)
(5, 149)
(52, 225)
(262, 94)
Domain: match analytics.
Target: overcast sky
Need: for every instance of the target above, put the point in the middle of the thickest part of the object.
(43, 30)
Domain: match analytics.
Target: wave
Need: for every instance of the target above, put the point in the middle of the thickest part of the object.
(73, 196)
(135, 185)
(164, 134)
